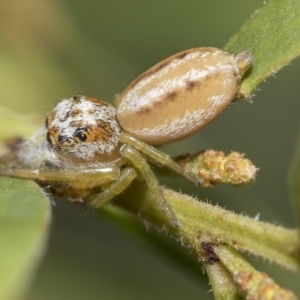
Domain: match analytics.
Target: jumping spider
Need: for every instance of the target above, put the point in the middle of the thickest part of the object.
(91, 151)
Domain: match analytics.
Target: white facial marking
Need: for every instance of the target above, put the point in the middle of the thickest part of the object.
(71, 114)
(138, 98)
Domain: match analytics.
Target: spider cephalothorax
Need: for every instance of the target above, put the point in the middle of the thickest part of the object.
(84, 128)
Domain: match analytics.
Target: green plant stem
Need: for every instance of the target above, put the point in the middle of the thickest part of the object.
(202, 222)
(253, 284)
(221, 282)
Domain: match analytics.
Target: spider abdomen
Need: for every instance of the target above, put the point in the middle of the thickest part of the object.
(181, 94)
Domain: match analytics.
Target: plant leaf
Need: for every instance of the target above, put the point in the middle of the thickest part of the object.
(24, 220)
(272, 35)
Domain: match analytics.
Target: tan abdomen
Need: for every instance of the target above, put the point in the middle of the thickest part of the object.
(181, 94)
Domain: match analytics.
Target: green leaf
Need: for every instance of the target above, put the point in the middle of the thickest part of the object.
(24, 220)
(272, 35)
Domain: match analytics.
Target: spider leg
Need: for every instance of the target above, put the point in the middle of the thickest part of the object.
(135, 158)
(118, 186)
(156, 155)
(96, 175)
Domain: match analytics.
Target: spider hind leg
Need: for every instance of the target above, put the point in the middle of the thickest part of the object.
(140, 163)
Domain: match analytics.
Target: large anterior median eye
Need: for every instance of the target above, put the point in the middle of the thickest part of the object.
(81, 133)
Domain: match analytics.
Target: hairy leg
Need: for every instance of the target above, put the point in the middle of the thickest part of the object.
(84, 175)
(140, 163)
(118, 186)
(156, 155)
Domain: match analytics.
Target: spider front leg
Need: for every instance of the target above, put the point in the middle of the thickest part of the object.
(82, 176)
(118, 186)
(156, 155)
(140, 163)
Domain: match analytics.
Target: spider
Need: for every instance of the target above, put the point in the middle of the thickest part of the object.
(91, 151)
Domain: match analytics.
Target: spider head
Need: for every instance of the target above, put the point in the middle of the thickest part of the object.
(84, 128)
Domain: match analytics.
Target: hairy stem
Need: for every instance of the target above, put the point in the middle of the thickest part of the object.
(204, 223)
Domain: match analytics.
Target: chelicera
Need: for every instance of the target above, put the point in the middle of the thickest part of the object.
(91, 151)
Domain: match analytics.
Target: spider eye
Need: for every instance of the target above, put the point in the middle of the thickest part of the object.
(81, 133)
(77, 97)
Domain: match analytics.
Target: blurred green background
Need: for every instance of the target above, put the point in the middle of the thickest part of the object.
(50, 50)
